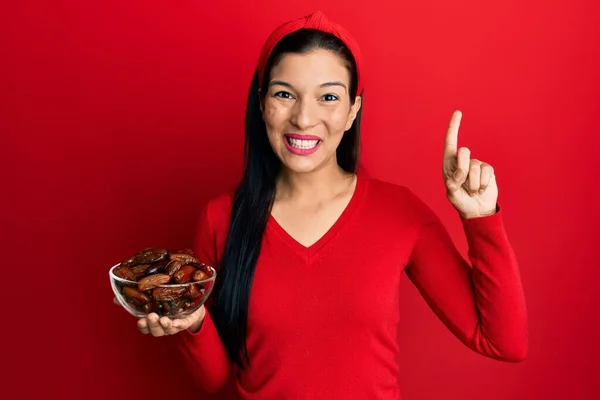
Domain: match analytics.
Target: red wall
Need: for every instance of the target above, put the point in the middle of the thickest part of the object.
(118, 119)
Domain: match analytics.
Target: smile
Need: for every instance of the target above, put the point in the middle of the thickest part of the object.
(302, 144)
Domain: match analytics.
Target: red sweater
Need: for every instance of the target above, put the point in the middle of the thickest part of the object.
(323, 320)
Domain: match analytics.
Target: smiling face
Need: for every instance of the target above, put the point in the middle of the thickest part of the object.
(307, 109)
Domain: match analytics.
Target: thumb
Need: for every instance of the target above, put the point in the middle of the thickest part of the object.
(190, 320)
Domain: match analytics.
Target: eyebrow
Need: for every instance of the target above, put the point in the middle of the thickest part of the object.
(326, 84)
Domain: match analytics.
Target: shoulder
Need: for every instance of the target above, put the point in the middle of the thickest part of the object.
(216, 211)
(220, 203)
(397, 200)
(382, 191)
(212, 226)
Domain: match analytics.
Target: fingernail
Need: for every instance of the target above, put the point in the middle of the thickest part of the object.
(481, 191)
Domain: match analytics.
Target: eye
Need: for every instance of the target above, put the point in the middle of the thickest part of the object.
(283, 95)
(330, 97)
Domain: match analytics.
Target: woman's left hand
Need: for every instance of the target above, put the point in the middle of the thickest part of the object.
(470, 183)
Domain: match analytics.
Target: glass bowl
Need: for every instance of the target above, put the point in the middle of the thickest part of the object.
(173, 300)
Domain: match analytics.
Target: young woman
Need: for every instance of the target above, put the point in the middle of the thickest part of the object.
(310, 252)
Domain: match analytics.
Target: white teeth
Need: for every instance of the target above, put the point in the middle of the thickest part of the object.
(302, 144)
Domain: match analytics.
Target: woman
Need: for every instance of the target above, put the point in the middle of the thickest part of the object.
(310, 251)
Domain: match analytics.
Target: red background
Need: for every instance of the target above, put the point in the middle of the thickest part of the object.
(118, 119)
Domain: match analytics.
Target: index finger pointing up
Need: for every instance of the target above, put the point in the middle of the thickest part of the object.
(451, 143)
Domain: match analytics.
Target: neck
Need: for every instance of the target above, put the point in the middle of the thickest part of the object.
(313, 186)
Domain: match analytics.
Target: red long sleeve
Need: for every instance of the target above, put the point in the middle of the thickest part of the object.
(323, 320)
(482, 303)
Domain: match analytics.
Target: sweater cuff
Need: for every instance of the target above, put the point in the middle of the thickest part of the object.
(207, 325)
(484, 220)
(488, 228)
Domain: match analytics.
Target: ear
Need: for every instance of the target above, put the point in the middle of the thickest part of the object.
(353, 112)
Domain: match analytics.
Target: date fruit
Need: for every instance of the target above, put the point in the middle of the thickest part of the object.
(199, 275)
(140, 270)
(184, 274)
(173, 267)
(135, 295)
(185, 258)
(157, 268)
(195, 292)
(168, 293)
(125, 273)
(152, 281)
(147, 256)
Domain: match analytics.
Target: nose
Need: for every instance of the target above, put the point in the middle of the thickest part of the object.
(304, 115)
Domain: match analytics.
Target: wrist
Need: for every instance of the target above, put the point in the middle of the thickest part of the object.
(195, 327)
(479, 215)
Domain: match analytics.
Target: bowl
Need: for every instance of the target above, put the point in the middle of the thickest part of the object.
(147, 294)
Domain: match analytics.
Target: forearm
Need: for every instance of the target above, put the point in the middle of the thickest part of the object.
(482, 303)
(205, 355)
(499, 297)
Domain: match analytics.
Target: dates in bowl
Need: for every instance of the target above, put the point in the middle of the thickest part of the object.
(169, 283)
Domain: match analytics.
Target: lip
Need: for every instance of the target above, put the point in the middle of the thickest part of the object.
(301, 152)
(302, 137)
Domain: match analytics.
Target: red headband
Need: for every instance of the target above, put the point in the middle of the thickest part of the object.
(317, 21)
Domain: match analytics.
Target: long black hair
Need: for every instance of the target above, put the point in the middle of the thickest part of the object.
(256, 192)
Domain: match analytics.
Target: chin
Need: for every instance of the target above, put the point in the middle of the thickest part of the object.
(305, 164)
(301, 166)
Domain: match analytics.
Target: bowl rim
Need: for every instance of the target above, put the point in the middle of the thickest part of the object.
(117, 278)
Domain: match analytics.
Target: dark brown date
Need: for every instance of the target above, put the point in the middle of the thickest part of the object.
(158, 267)
(127, 263)
(185, 258)
(194, 292)
(173, 267)
(166, 305)
(155, 306)
(140, 270)
(150, 255)
(184, 274)
(151, 281)
(125, 273)
(176, 306)
(181, 306)
(199, 275)
(207, 270)
(132, 294)
(141, 307)
(168, 293)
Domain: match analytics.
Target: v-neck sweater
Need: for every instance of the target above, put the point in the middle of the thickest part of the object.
(323, 319)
